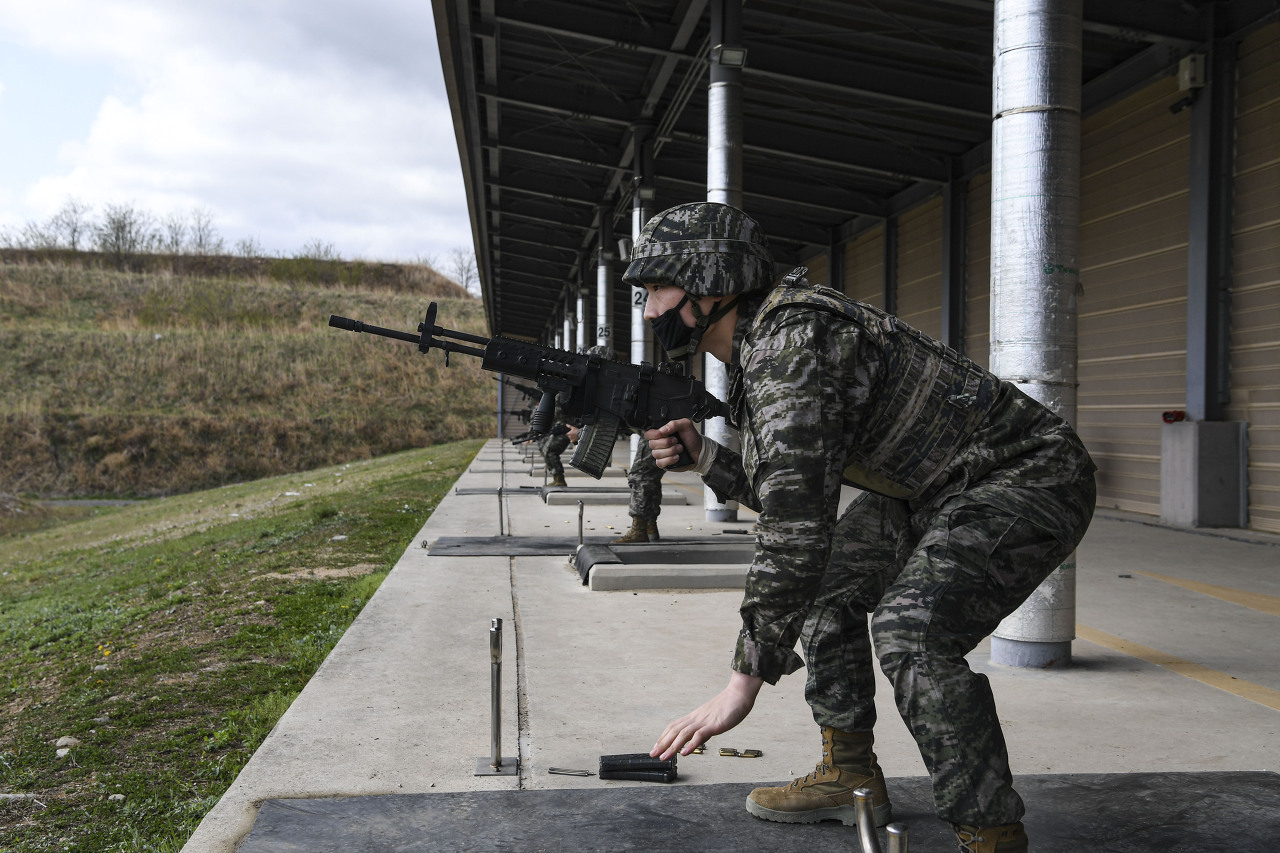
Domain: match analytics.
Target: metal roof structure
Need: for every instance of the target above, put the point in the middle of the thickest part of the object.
(853, 110)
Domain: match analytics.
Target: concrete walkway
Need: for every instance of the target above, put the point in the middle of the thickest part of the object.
(1177, 668)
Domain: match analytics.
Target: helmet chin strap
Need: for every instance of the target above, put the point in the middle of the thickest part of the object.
(703, 321)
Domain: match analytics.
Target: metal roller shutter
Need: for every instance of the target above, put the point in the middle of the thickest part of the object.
(1255, 289)
(1133, 271)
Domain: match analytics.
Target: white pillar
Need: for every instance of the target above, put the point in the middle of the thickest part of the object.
(1035, 220)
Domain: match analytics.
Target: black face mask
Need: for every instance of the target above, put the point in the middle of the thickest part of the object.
(671, 331)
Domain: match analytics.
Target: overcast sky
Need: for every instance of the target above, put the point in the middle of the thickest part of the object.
(290, 121)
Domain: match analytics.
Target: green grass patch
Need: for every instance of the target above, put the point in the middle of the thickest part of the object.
(168, 637)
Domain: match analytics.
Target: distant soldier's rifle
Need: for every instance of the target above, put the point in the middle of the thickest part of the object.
(527, 390)
(525, 437)
(598, 393)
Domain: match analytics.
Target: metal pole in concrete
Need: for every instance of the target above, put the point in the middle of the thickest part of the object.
(493, 764)
(604, 276)
(1035, 217)
(898, 837)
(724, 185)
(863, 810)
(582, 320)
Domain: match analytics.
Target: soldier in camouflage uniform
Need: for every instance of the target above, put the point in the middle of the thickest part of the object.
(644, 479)
(973, 494)
(551, 446)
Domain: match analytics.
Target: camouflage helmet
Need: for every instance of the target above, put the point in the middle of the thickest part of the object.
(704, 248)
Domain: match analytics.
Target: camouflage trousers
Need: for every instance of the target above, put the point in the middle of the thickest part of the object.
(936, 581)
(644, 478)
(552, 446)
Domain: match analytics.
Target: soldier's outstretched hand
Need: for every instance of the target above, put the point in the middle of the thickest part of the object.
(728, 708)
(667, 440)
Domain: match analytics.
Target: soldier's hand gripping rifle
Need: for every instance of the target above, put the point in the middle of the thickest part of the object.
(598, 393)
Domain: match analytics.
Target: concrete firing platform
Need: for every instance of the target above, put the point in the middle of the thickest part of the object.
(1110, 813)
(1165, 728)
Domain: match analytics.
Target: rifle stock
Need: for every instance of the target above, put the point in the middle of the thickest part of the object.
(600, 394)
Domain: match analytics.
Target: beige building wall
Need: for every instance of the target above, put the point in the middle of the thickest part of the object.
(920, 267)
(1133, 275)
(864, 267)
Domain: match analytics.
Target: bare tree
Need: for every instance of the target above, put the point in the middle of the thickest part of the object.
(463, 270)
(249, 247)
(71, 224)
(124, 231)
(204, 239)
(37, 236)
(318, 250)
(173, 239)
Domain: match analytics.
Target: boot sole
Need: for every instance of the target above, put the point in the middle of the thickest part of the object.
(845, 814)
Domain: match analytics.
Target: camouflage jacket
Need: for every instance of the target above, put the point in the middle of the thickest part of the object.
(827, 391)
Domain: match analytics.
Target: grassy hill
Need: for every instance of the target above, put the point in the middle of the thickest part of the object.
(150, 648)
(155, 382)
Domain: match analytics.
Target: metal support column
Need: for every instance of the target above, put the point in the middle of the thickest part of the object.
(1035, 221)
(604, 277)
(1209, 206)
(567, 308)
(724, 185)
(643, 197)
(581, 295)
(835, 262)
(889, 265)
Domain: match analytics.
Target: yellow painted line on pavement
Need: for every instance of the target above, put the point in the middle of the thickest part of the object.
(1235, 686)
(1252, 600)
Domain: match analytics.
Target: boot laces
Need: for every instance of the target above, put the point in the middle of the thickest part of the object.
(819, 772)
(968, 841)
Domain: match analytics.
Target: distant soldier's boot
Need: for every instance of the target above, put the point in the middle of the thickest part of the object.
(558, 480)
(635, 535)
(827, 793)
(651, 528)
(1010, 838)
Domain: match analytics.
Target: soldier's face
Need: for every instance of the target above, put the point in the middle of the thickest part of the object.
(662, 298)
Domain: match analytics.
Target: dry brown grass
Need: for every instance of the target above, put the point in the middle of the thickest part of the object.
(141, 384)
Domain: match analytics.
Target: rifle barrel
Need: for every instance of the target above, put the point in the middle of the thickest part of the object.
(356, 326)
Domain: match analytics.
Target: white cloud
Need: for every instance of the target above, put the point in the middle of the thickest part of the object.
(290, 121)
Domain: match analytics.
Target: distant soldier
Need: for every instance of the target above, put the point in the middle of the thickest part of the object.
(972, 494)
(552, 446)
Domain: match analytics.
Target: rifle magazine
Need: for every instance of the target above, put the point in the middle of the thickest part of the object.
(595, 446)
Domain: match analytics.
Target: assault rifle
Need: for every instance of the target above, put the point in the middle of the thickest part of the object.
(527, 390)
(526, 437)
(598, 393)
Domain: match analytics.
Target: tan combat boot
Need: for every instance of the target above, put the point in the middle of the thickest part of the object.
(651, 528)
(1010, 838)
(635, 535)
(558, 480)
(827, 793)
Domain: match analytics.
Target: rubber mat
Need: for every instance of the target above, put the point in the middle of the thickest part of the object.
(1111, 813)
